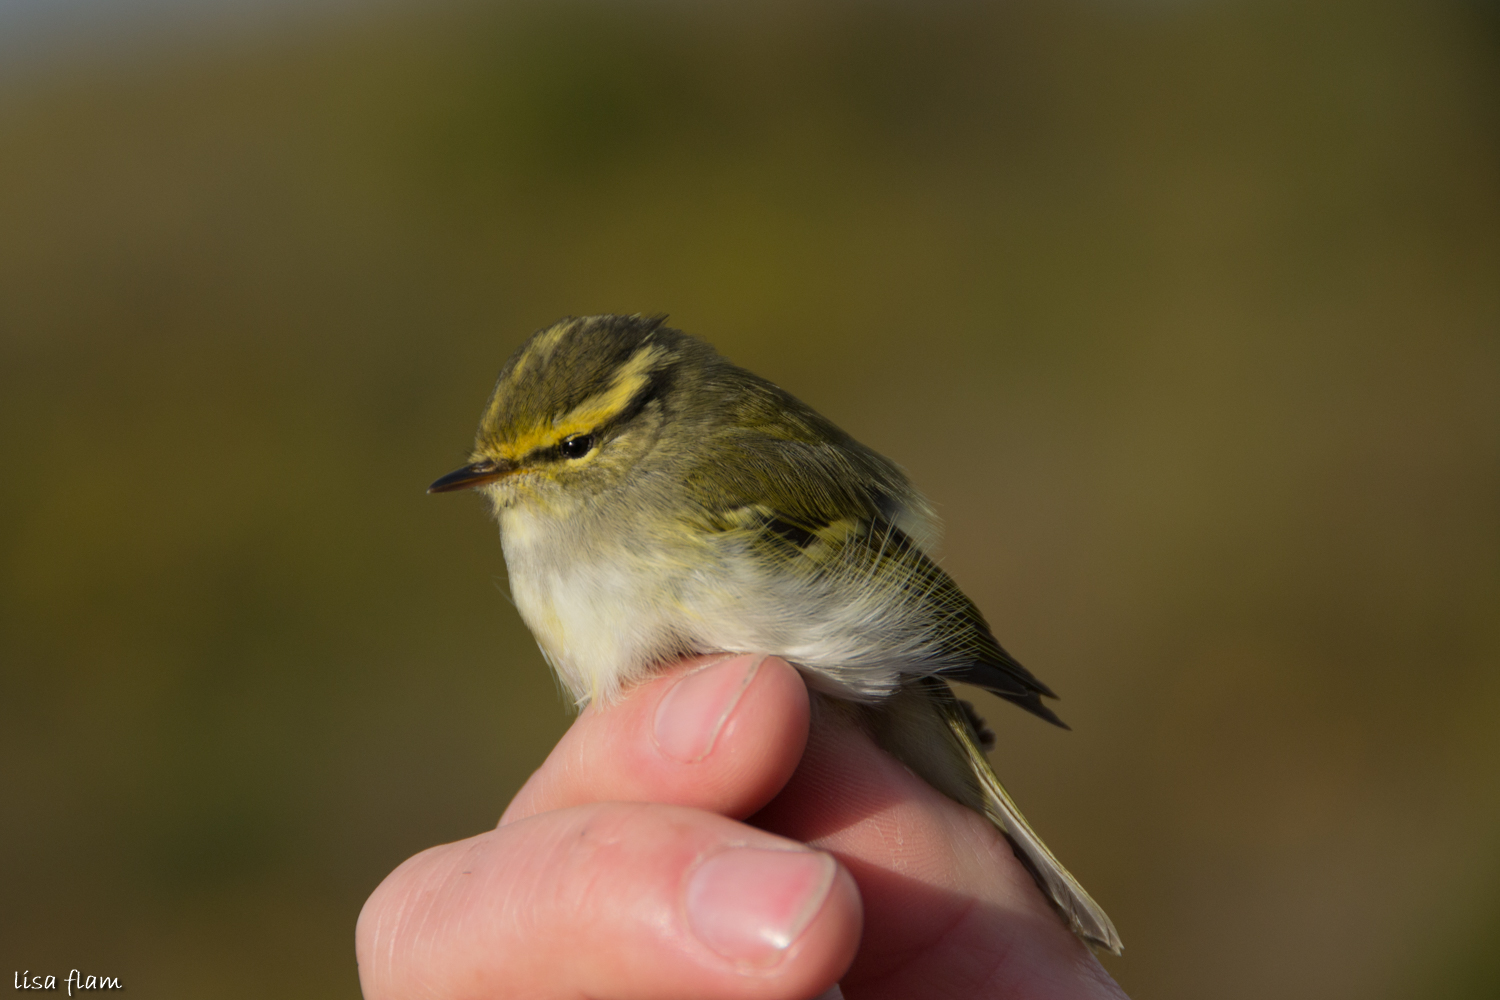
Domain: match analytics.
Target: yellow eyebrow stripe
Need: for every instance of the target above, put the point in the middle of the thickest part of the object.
(628, 381)
(599, 408)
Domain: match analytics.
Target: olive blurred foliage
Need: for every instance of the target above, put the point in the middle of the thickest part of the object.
(1185, 314)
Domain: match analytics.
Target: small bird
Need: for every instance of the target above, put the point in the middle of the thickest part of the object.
(656, 501)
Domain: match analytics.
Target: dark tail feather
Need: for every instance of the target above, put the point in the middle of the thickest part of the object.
(1032, 702)
(1009, 680)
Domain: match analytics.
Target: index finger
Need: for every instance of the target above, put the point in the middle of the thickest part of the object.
(720, 733)
(949, 910)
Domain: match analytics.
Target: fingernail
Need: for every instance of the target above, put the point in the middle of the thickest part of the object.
(689, 718)
(750, 904)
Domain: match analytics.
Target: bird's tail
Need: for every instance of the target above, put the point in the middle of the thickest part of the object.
(1087, 919)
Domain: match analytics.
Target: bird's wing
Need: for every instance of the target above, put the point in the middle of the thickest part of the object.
(806, 518)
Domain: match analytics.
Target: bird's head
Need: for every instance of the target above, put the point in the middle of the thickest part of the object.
(576, 407)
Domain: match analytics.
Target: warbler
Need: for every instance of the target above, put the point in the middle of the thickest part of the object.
(656, 501)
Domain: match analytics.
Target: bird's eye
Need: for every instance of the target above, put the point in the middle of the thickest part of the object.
(577, 446)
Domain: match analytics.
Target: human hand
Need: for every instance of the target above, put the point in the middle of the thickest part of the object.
(672, 845)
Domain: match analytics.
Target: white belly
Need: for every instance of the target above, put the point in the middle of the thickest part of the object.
(604, 615)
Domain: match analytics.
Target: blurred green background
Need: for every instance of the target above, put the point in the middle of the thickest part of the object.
(1185, 314)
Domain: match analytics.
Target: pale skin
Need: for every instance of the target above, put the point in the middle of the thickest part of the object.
(704, 838)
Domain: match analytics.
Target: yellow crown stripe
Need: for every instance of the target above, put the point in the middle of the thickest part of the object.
(543, 344)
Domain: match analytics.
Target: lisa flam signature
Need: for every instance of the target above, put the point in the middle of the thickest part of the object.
(74, 980)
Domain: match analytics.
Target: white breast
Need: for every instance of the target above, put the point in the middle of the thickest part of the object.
(604, 613)
(601, 613)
